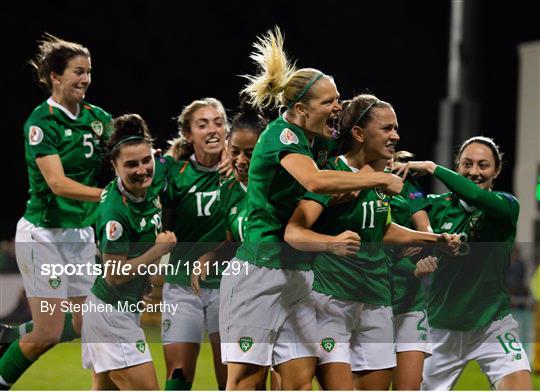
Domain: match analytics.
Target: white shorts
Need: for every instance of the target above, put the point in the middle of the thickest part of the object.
(354, 332)
(194, 314)
(112, 339)
(412, 332)
(37, 246)
(496, 348)
(267, 316)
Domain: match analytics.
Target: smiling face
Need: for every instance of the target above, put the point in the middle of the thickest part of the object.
(477, 163)
(207, 132)
(69, 88)
(241, 145)
(380, 134)
(135, 166)
(320, 112)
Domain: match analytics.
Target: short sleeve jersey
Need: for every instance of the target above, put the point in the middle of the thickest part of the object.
(364, 276)
(272, 196)
(129, 226)
(197, 220)
(79, 142)
(234, 206)
(469, 291)
(408, 293)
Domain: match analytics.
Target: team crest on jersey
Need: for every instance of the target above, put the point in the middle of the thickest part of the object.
(380, 194)
(35, 136)
(54, 282)
(233, 211)
(328, 344)
(68, 132)
(166, 325)
(157, 203)
(143, 223)
(474, 226)
(288, 137)
(322, 158)
(97, 127)
(141, 346)
(245, 343)
(113, 230)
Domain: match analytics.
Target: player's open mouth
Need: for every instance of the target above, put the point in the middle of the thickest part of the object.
(332, 124)
(391, 147)
(213, 140)
(242, 171)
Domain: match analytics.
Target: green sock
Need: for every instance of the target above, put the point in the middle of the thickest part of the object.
(68, 333)
(177, 382)
(12, 365)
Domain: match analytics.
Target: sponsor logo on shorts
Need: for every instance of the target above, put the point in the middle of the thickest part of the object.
(423, 337)
(97, 127)
(328, 344)
(516, 357)
(245, 343)
(288, 137)
(141, 346)
(54, 282)
(35, 136)
(166, 325)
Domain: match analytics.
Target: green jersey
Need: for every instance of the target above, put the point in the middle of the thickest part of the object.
(408, 293)
(469, 291)
(234, 206)
(272, 197)
(160, 182)
(79, 142)
(128, 226)
(197, 219)
(364, 276)
(322, 149)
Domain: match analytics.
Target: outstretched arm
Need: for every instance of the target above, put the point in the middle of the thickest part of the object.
(305, 171)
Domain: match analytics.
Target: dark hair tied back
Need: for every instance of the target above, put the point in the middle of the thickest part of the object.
(128, 129)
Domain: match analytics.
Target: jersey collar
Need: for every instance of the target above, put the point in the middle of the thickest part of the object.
(202, 168)
(353, 169)
(51, 102)
(126, 193)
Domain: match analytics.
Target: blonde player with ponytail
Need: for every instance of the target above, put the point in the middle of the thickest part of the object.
(266, 313)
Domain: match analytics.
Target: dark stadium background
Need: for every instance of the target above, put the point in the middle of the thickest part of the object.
(153, 57)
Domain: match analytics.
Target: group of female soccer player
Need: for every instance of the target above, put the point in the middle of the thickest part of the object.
(330, 243)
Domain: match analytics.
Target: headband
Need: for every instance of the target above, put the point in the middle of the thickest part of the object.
(305, 90)
(127, 139)
(363, 112)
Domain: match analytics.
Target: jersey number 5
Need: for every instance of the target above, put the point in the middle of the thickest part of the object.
(87, 142)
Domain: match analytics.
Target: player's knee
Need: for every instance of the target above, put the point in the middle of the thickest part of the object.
(44, 343)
